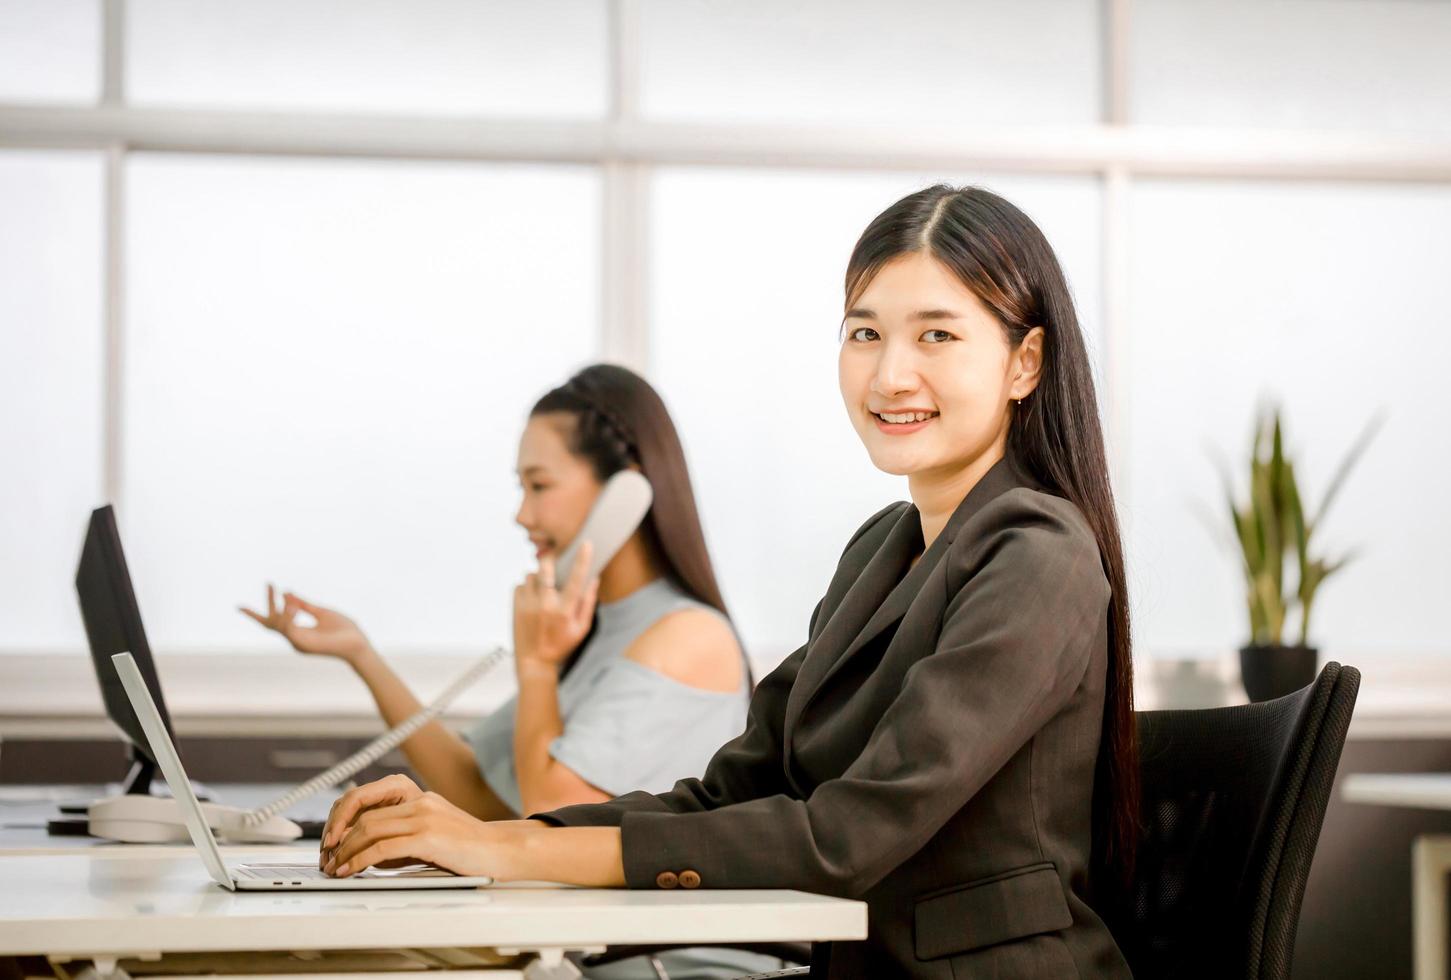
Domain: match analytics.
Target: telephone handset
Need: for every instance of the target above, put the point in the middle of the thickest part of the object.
(617, 513)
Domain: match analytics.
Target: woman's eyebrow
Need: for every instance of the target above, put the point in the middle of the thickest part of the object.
(862, 313)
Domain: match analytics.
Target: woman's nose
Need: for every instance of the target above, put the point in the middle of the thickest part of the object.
(896, 372)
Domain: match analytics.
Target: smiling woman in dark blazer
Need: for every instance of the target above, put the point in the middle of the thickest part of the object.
(954, 742)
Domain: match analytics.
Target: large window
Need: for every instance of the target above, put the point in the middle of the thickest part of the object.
(328, 368)
(434, 57)
(49, 50)
(1365, 67)
(924, 63)
(281, 279)
(51, 388)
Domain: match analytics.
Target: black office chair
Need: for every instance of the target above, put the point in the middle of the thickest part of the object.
(1233, 800)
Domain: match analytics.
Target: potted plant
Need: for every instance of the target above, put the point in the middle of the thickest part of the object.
(1273, 531)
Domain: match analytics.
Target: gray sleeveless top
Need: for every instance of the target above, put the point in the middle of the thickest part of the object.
(626, 726)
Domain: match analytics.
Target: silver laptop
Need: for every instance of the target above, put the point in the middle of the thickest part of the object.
(257, 877)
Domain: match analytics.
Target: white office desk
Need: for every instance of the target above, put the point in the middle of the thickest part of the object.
(107, 904)
(1430, 858)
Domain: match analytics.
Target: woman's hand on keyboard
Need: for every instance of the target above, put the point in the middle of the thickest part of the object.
(392, 820)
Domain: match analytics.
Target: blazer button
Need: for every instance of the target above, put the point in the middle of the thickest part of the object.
(667, 879)
(689, 879)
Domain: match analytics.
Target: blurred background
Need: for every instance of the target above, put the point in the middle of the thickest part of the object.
(281, 280)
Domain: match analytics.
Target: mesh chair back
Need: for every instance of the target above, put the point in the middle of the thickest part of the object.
(1233, 801)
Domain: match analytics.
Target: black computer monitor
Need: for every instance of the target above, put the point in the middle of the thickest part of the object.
(113, 625)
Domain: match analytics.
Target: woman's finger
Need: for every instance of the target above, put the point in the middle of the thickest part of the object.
(586, 606)
(334, 832)
(288, 618)
(546, 572)
(384, 850)
(365, 835)
(303, 604)
(390, 789)
(254, 615)
(272, 609)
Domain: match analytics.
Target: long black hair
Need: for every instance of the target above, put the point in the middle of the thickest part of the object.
(998, 252)
(620, 421)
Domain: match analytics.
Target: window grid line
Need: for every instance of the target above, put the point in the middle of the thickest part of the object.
(113, 276)
(624, 324)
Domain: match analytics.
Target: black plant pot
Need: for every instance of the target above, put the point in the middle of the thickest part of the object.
(1273, 671)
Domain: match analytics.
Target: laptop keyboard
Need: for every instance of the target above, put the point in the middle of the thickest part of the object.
(267, 872)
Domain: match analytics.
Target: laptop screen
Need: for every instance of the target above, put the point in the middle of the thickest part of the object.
(134, 689)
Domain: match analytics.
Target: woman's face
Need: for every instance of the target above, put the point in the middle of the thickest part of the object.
(559, 487)
(925, 370)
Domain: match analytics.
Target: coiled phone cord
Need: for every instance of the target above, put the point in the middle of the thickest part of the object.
(380, 746)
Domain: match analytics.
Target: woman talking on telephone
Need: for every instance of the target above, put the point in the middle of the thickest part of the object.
(954, 743)
(628, 681)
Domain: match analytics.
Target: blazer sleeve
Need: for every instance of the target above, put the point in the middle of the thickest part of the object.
(1016, 640)
(745, 768)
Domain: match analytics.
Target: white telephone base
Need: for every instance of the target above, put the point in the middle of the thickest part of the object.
(135, 819)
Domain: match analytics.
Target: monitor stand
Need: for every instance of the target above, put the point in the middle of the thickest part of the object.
(140, 781)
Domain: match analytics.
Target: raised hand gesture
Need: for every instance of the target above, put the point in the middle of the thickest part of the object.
(334, 634)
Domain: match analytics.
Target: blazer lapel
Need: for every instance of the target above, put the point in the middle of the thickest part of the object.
(859, 607)
(900, 594)
(882, 595)
(874, 589)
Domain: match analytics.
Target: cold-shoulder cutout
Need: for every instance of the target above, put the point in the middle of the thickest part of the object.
(695, 647)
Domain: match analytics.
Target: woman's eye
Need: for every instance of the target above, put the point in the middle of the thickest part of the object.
(862, 334)
(937, 336)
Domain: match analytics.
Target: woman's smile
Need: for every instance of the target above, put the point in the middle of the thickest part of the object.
(905, 421)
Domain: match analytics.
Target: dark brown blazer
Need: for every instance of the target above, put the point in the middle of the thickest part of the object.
(930, 750)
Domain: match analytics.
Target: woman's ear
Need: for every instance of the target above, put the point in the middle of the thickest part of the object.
(1026, 365)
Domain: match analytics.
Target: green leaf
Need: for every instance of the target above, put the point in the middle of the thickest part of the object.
(1270, 551)
(1295, 527)
(1237, 521)
(1352, 456)
(1318, 571)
